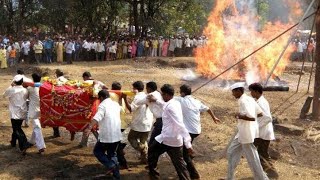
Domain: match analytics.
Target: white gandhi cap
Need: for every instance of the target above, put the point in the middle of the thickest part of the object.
(237, 85)
(17, 78)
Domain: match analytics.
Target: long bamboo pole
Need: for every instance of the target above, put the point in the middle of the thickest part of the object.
(304, 60)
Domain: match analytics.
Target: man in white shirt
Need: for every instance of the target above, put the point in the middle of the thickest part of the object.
(26, 80)
(141, 121)
(155, 108)
(300, 50)
(69, 50)
(60, 77)
(60, 80)
(172, 47)
(191, 109)
(173, 136)
(188, 42)
(118, 99)
(93, 50)
(200, 42)
(26, 48)
(86, 49)
(18, 50)
(248, 130)
(266, 133)
(34, 114)
(108, 118)
(18, 95)
(97, 87)
(100, 50)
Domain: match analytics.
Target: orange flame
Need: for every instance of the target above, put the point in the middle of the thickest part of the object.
(232, 34)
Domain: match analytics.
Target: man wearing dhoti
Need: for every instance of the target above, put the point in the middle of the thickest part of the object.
(34, 114)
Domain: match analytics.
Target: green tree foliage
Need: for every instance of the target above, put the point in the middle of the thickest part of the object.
(104, 16)
(190, 15)
(263, 12)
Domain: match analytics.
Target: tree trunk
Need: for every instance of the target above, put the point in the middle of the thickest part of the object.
(316, 102)
(20, 21)
(136, 18)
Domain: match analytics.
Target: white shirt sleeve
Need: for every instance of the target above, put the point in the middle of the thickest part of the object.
(141, 101)
(203, 107)
(100, 114)
(134, 106)
(160, 103)
(8, 92)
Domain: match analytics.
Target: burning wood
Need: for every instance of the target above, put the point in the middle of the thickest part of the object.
(275, 88)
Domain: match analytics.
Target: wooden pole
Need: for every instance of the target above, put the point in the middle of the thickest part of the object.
(311, 71)
(316, 103)
(304, 60)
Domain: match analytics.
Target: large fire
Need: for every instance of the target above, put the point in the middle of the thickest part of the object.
(233, 33)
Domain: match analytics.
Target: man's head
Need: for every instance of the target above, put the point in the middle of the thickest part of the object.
(138, 85)
(103, 94)
(185, 90)
(256, 90)
(59, 73)
(18, 79)
(116, 86)
(20, 71)
(36, 77)
(238, 92)
(167, 92)
(86, 76)
(151, 87)
(237, 89)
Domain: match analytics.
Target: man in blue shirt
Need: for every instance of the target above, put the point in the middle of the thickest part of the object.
(48, 47)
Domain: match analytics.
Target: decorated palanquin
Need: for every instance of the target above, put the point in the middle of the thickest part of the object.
(71, 105)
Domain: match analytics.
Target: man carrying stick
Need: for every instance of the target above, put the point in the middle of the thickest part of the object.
(108, 118)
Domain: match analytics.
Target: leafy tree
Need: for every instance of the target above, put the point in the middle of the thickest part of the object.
(104, 16)
(263, 12)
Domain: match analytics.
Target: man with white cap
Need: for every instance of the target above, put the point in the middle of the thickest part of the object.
(248, 130)
(18, 95)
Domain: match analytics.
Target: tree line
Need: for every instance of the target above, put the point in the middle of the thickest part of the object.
(108, 16)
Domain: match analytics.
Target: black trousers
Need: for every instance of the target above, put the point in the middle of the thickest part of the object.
(56, 132)
(100, 56)
(92, 54)
(263, 151)
(176, 156)
(194, 174)
(69, 58)
(157, 127)
(120, 154)
(18, 134)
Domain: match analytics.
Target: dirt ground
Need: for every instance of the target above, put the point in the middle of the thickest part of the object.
(63, 160)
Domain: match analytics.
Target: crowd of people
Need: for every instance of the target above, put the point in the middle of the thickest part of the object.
(304, 50)
(67, 49)
(161, 122)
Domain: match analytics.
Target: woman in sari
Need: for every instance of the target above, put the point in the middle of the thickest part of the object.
(165, 48)
(134, 48)
(59, 50)
(3, 57)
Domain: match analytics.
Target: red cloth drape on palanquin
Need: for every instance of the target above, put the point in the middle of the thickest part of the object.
(67, 106)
